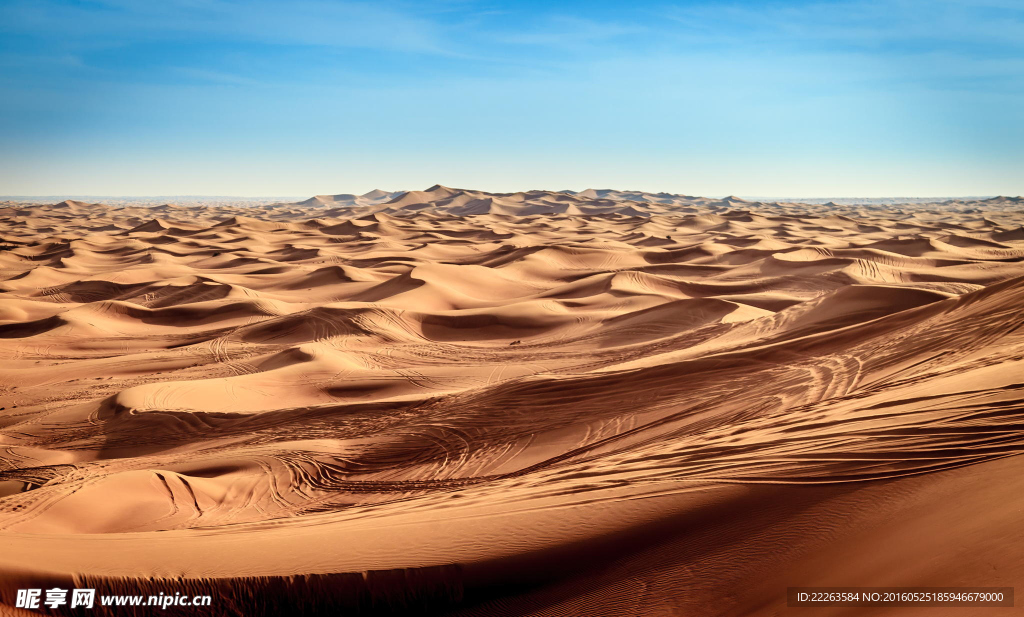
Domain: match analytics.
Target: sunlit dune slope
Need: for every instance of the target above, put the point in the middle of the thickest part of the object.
(537, 403)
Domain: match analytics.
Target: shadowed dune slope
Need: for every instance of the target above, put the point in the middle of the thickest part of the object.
(457, 402)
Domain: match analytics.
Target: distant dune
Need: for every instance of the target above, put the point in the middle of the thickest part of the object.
(537, 403)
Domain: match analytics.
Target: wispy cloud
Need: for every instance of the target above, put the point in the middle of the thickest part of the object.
(217, 77)
(862, 24)
(61, 60)
(768, 91)
(302, 22)
(570, 32)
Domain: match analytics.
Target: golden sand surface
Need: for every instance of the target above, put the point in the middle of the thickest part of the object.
(457, 402)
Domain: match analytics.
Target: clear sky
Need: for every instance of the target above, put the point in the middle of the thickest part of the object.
(774, 98)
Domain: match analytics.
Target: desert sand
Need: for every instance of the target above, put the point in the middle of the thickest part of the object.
(542, 403)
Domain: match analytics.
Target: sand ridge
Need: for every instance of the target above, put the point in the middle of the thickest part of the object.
(451, 384)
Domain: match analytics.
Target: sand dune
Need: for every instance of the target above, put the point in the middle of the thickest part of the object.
(537, 403)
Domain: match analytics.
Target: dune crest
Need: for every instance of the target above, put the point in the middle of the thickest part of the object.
(604, 402)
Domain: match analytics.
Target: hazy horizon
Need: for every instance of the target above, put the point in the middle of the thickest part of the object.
(198, 197)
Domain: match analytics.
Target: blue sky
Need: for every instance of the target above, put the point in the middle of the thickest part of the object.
(777, 98)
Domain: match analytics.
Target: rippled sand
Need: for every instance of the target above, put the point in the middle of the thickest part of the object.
(602, 403)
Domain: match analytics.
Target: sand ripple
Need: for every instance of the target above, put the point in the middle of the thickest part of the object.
(454, 390)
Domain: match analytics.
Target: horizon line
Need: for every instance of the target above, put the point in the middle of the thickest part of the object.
(307, 195)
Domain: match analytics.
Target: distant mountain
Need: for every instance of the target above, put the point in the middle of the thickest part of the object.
(441, 199)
